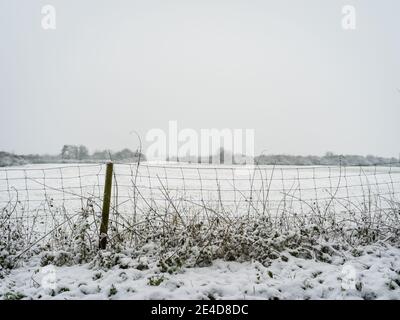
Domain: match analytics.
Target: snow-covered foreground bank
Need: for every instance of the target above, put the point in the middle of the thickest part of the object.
(372, 273)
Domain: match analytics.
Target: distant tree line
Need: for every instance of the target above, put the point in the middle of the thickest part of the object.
(224, 157)
(9, 159)
(80, 152)
(70, 154)
(328, 159)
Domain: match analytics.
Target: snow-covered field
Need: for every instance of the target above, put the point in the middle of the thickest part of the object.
(308, 262)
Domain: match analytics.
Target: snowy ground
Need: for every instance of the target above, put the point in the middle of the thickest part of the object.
(40, 198)
(374, 274)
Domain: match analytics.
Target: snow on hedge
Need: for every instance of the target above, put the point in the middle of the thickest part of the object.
(372, 272)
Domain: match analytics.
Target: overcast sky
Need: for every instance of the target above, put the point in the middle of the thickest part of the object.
(287, 69)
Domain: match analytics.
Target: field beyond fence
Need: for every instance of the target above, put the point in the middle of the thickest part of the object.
(158, 201)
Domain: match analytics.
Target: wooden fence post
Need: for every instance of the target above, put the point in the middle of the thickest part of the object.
(106, 206)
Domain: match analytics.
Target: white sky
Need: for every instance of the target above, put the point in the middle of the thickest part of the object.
(284, 68)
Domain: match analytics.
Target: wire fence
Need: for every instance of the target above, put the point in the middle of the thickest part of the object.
(42, 198)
